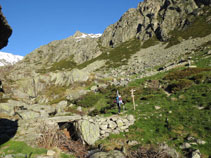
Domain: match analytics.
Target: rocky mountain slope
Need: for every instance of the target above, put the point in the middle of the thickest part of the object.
(161, 49)
(9, 59)
(73, 50)
(84, 57)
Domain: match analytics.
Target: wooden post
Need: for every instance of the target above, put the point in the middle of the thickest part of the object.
(189, 63)
(133, 98)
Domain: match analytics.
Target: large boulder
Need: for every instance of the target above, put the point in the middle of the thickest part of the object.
(65, 78)
(110, 154)
(88, 131)
(5, 30)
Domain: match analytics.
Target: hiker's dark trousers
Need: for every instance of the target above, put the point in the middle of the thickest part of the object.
(119, 107)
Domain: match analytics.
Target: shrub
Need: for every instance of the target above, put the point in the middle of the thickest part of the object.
(182, 74)
(149, 153)
(88, 100)
(179, 85)
(199, 78)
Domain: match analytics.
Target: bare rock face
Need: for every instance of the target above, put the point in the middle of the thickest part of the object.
(151, 18)
(5, 30)
(126, 28)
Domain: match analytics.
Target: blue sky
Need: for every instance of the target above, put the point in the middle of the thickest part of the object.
(38, 22)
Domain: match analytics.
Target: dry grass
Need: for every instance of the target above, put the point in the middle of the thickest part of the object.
(54, 138)
(148, 153)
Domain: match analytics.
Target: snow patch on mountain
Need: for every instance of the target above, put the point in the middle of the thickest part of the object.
(79, 36)
(9, 59)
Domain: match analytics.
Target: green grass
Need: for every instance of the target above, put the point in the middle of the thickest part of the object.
(15, 147)
(62, 155)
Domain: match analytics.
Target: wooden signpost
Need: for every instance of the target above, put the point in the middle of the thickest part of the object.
(133, 98)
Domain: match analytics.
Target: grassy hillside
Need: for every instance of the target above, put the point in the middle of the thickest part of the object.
(171, 107)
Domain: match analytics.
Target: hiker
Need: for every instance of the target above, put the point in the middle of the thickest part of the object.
(119, 102)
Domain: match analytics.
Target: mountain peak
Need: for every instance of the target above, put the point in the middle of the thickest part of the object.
(9, 59)
(80, 35)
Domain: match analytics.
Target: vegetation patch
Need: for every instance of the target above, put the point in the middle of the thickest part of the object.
(56, 93)
(116, 56)
(15, 147)
(150, 42)
(88, 100)
(61, 65)
(185, 73)
(179, 85)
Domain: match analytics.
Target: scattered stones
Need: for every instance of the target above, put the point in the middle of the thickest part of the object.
(196, 154)
(157, 107)
(79, 108)
(170, 151)
(132, 143)
(94, 88)
(51, 153)
(201, 142)
(185, 146)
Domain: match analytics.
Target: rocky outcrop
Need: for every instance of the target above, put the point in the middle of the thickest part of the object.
(5, 30)
(67, 78)
(151, 18)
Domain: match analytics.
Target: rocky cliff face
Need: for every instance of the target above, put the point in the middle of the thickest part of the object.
(151, 18)
(5, 30)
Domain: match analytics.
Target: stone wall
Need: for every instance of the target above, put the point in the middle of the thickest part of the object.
(114, 124)
(91, 129)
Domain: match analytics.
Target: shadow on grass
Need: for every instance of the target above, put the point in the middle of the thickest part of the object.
(8, 129)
